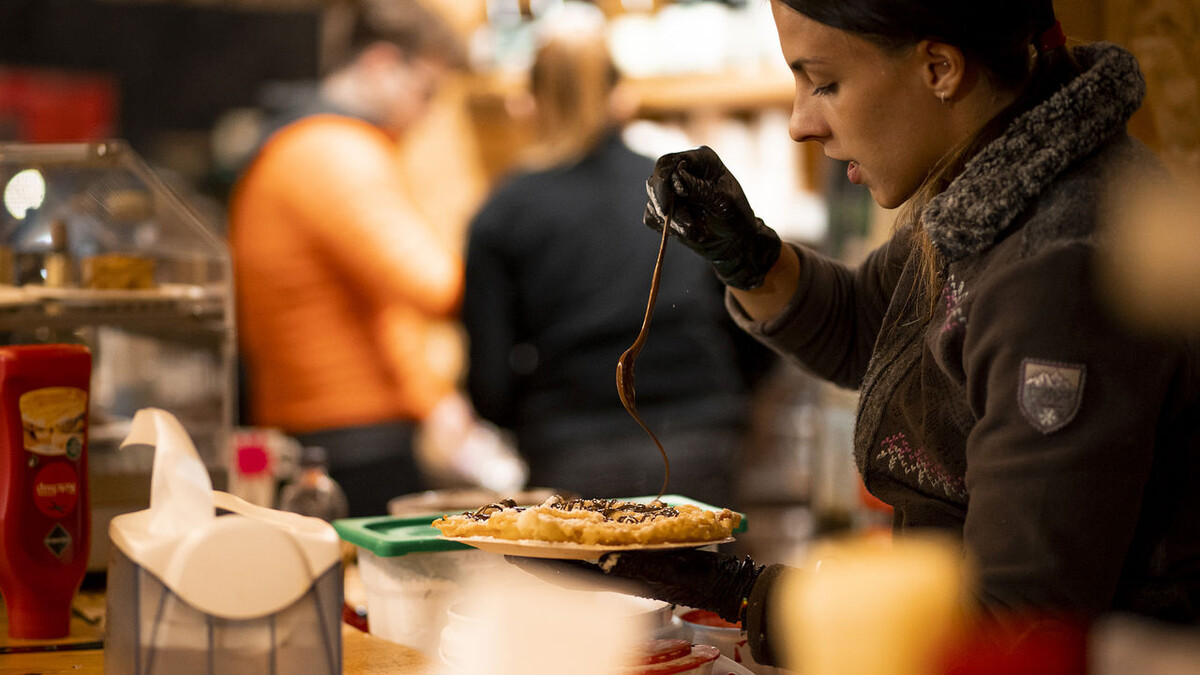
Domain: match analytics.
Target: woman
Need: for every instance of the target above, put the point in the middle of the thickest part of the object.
(999, 401)
(558, 265)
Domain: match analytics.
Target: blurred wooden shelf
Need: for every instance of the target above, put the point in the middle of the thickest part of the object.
(732, 91)
(723, 92)
(503, 125)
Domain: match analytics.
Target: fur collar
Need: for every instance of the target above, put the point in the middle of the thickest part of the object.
(1000, 182)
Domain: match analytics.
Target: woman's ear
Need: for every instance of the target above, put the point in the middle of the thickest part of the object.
(943, 68)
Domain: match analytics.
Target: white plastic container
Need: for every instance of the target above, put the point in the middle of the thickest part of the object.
(410, 576)
(408, 596)
(522, 623)
(190, 590)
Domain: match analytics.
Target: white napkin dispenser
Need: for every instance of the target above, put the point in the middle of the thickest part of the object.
(204, 582)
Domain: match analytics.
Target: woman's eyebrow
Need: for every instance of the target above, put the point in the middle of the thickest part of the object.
(802, 64)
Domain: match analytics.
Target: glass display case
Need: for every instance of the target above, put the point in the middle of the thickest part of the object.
(96, 249)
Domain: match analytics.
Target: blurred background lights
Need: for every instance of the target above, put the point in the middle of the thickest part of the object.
(25, 192)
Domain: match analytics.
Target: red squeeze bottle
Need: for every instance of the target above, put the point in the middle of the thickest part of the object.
(45, 517)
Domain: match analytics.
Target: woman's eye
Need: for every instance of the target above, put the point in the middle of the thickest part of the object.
(825, 90)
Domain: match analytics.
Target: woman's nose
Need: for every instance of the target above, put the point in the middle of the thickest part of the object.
(806, 122)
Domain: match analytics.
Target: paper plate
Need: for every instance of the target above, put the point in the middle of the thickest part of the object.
(562, 550)
(389, 536)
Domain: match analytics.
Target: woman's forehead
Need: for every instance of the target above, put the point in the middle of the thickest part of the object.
(810, 43)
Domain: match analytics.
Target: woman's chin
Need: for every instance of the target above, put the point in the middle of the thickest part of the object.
(887, 199)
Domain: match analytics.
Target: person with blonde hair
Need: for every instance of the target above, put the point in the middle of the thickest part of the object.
(558, 272)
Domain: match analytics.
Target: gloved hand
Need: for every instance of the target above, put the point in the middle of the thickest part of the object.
(709, 213)
(717, 582)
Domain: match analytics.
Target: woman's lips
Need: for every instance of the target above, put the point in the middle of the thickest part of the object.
(853, 173)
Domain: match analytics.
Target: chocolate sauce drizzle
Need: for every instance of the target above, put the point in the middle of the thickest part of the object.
(484, 512)
(615, 510)
(625, 364)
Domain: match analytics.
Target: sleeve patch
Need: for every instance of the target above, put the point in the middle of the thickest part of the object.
(1050, 393)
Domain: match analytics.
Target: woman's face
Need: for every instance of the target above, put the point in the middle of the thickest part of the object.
(872, 108)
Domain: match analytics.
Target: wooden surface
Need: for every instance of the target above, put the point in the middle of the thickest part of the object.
(52, 663)
(362, 654)
(369, 655)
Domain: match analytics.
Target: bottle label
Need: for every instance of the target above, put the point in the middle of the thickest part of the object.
(56, 489)
(60, 542)
(54, 420)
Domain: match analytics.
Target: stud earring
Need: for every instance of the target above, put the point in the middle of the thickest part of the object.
(942, 95)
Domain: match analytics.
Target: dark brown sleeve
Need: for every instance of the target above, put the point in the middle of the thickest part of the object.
(1069, 407)
(829, 327)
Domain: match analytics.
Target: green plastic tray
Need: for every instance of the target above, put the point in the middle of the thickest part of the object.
(391, 536)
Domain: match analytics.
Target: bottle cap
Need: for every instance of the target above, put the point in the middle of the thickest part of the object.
(313, 455)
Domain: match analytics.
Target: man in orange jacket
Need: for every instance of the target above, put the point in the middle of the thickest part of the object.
(336, 271)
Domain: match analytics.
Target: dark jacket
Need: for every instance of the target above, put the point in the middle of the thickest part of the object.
(1061, 445)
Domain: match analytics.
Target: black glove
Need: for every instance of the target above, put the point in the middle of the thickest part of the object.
(717, 582)
(701, 579)
(710, 215)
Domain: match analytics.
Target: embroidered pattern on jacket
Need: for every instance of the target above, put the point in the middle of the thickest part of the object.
(1050, 393)
(954, 293)
(930, 474)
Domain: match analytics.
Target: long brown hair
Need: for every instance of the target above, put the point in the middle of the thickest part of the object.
(1002, 36)
(572, 80)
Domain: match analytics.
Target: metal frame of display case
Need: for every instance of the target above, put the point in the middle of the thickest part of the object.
(185, 320)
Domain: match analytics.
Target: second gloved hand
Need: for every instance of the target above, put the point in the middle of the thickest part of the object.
(710, 214)
(702, 579)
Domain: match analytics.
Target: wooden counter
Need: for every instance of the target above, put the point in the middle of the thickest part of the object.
(363, 655)
(80, 654)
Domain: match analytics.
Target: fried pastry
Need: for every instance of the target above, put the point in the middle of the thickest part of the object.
(591, 522)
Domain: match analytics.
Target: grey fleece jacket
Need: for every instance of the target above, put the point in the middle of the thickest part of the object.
(1062, 447)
